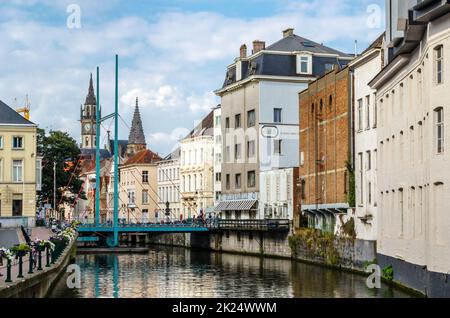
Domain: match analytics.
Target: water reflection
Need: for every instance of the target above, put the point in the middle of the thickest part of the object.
(177, 273)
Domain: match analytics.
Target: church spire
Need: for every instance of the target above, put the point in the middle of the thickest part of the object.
(90, 98)
(136, 136)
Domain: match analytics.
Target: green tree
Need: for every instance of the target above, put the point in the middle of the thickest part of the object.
(59, 147)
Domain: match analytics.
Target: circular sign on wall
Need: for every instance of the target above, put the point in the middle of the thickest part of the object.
(269, 131)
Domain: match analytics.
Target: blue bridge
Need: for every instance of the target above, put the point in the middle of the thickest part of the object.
(91, 232)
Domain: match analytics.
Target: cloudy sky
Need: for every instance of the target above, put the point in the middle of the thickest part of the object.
(173, 53)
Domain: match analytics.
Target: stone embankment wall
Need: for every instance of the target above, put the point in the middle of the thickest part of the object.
(38, 284)
(306, 245)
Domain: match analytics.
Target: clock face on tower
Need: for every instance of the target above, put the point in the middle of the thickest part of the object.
(87, 127)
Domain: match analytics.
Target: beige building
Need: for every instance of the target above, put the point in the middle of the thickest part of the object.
(138, 198)
(196, 169)
(413, 175)
(18, 169)
(169, 185)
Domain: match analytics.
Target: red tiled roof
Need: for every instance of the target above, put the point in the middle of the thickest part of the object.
(142, 157)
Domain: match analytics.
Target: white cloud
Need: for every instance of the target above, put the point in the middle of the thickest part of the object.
(172, 61)
(203, 103)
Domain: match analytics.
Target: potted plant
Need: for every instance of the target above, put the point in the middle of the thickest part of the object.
(21, 250)
(6, 253)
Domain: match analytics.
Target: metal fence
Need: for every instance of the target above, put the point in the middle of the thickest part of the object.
(250, 225)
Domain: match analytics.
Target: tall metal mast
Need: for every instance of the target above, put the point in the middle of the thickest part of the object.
(116, 158)
(97, 153)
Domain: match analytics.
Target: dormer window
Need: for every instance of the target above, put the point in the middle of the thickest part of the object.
(304, 64)
(238, 71)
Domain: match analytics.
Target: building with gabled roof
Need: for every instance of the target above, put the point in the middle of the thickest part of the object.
(138, 185)
(169, 184)
(19, 177)
(196, 169)
(413, 104)
(260, 114)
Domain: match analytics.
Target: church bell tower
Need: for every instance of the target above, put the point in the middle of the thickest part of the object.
(88, 118)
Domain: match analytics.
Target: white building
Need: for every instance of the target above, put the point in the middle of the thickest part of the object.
(217, 154)
(196, 169)
(277, 194)
(169, 184)
(413, 171)
(364, 69)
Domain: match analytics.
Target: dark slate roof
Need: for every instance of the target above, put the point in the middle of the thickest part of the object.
(271, 63)
(90, 153)
(122, 147)
(11, 117)
(136, 136)
(376, 44)
(90, 98)
(173, 155)
(282, 65)
(205, 128)
(297, 43)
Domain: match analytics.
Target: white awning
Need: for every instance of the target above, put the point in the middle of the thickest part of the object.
(235, 205)
(222, 206)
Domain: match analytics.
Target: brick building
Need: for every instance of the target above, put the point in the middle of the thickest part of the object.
(325, 148)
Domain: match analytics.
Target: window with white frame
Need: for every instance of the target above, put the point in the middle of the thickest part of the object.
(304, 64)
(251, 149)
(251, 119)
(277, 115)
(368, 160)
(368, 112)
(361, 180)
(375, 115)
(237, 151)
(439, 64)
(131, 197)
(277, 147)
(17, 142)
(38, 174)
(251, 179)
(439, 123)
(17, 171)
(1, 142)
(360, 115)
(145, 197)
(144, 176)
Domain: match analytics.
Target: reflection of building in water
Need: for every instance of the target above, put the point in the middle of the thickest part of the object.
(182, 273)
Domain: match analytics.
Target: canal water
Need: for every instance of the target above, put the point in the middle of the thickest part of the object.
(182, 273)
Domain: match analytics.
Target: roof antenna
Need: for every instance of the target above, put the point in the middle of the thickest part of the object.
(356, 48)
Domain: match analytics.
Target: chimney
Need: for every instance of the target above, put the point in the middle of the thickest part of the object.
(258, 46)
(288, 32)
(243, 51)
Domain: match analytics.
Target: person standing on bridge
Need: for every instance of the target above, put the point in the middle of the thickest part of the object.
(156, 216)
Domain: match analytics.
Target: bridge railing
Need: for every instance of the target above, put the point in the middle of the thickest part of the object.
(211, 224)
(250, 225)
(175, 224)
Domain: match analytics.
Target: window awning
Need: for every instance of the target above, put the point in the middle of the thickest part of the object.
(237, 205)
(247, 204)
(221, 206)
